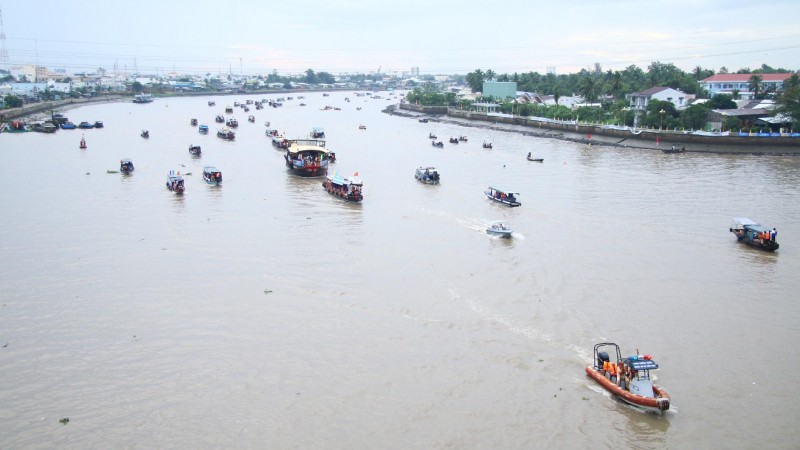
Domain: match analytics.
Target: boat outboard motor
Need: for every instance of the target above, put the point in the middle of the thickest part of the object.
(601, 358)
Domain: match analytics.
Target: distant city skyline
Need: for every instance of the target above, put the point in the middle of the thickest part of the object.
(357, 36)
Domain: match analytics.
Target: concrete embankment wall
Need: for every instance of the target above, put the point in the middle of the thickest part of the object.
(36, 108)
(650, 139)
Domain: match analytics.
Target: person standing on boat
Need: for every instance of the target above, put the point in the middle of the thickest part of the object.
(773, 234)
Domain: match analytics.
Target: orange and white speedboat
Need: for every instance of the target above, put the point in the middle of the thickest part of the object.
(628, 378)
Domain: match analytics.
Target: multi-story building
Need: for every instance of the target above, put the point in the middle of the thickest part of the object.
(640, 100)
(727, 83)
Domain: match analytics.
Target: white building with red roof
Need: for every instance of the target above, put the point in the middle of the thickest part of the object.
(727, 83)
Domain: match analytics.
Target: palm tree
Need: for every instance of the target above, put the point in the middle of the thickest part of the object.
(755, 85)
(589, 88)
(490, 74)
(556, 95)
(616, 84)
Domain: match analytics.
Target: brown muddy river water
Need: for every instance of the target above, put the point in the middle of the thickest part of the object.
(266, 313)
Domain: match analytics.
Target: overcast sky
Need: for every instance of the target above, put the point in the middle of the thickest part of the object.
(439, 37)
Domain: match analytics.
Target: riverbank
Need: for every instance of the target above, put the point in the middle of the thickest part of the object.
(607, 136)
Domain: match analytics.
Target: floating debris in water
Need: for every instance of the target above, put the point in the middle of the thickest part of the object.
(87, 173)
(188, 174)
(64, 421)
(112, 171)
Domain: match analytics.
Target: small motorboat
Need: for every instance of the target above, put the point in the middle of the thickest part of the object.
(628, 378)
(193, 122)
(85, 125)
(229, 109)
(431, 136)
(754, 234)
(194, 150)
(439, 144)
(427, 175)
(145, 134)
(462, 138)
(251, 119)
(211, 103)
(499, 228)
(83, 142)
(219, 119)
(674, 149)
(212, 175)
(68, 126)
(530, 158)
(362, 127)
(423, 120)
(500, 196)
(345, 188)
(226, 134)
(175, 182)
(487, 145)
(453, 140)
(98, 124)
(125, 165)
(232, 122)
(202, 129)
(317, 133)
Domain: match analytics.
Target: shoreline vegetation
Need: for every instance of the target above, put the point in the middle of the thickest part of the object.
(590, 134)
(594, 134)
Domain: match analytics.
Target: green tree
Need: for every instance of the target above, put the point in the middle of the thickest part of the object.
(311, 77)
(12, 101)
(137, 87)
(325, 77)
(721, 101)
(475, 80)
(589, 88)
(754, 83)
(789, 100)
(694, 117)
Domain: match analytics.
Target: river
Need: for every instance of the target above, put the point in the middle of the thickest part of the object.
(265, 313)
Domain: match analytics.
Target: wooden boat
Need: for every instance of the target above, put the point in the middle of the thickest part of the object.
(125, 165)
(487, 145)
(453, 140)
(499, 228)
(530, 158)
(212, 175)
(362, 127)
(427, 175)
(99, 124)
(194, 150)
(193, 122)
(437, 144)
(219, 119)
(232, 122)
(629, 378)
(251, 119)
(462, 138)
(226, 134)
(349, 189)
(83, 142)
(202, 129)
(145, 134)
(307, 157)
(501, 196)
(317, 133)
(423, 120)
(280, 143)
(229, 109)
(674, 149)
(175, 182)
(211, 103)
(432, 136)
(754, 234)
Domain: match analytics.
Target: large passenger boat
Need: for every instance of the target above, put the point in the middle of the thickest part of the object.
(345, 188)
(307, 157)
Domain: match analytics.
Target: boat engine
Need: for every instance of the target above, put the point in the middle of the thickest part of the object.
(601, 358)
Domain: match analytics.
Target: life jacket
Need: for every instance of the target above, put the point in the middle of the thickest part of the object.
(612, 369)
(605, 366)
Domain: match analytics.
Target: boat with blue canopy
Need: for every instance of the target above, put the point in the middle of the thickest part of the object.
(349, 189)
(754, 234)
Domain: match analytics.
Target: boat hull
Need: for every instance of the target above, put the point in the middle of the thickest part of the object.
(503, 201)
(658, 404)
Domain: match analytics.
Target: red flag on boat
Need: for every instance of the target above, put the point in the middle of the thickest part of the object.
(355, 174)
